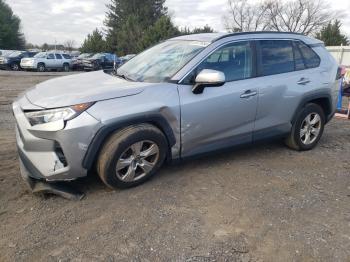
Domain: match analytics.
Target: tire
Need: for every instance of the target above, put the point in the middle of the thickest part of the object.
(15, 67)
(41, 67)
(121, 165)
(97, 67)
(305, 134)
(66, 67)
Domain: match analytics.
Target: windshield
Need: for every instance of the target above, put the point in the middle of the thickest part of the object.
(15, 54)
(161, 62)
(84, 56)
(40, 55)
(97, 56)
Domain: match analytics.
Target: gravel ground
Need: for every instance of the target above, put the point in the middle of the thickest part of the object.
(260, 203)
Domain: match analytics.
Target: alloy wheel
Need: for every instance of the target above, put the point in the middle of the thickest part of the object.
(137, 161)
(41, 68)
(310, 128)
(15, 67)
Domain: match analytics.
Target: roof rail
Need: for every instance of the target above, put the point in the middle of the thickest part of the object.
(256, 32)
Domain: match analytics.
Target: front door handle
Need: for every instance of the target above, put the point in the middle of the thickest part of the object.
(249, 93)
(303, 81)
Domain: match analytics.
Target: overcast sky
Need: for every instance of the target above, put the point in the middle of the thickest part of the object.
(47, 20)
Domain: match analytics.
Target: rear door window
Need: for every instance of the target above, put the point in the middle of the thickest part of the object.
(275, 57)
(58, 56)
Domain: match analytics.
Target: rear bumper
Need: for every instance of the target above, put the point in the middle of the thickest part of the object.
(330, 117)
(53, 155)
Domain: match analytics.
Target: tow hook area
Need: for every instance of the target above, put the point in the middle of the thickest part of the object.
(61, 189)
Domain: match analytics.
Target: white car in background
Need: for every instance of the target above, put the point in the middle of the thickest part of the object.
(47, 61)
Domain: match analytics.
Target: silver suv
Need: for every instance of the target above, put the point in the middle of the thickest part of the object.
(183, 97)
(45, 61)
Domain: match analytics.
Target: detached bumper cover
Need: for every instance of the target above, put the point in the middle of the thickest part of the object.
(38, 186)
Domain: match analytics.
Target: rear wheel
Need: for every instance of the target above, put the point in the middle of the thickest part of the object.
(131, 156)
(307, 129)
(41, 67)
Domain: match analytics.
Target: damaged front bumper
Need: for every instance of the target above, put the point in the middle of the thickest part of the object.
(42, 187)
(39, 186)
(49, 157)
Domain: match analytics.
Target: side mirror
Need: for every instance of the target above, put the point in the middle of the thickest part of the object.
(208, 78)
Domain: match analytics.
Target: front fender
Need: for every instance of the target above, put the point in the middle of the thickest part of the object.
(101, 136)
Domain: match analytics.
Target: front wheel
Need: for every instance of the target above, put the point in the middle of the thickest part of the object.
(66, 68)
(41, 68)
(307, 129)
(131, 156)
(15, 67)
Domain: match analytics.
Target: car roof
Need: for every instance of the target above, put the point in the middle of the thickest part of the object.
(205, 37)
(213, 37)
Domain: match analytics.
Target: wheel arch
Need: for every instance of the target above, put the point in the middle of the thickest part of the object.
(106, 131)
(324, 100)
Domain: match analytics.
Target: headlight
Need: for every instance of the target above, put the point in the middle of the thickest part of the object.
(52, 115)
(5, 60)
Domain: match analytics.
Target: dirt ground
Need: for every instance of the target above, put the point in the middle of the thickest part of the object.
(260, 203)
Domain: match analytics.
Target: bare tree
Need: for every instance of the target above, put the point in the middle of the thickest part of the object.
(244, 16)
(300, 16)
(69, 45)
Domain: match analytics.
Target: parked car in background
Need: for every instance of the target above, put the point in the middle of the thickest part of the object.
(77, 63)
(100, 61)
(126, 58)
(183, 97)
(67, 56)
(47, 61)
(13, 60)
(7, 52)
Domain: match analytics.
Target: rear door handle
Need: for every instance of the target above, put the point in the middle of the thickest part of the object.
(303, 81)
(249, 93)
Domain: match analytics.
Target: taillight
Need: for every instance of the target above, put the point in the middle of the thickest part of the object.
(340, 72)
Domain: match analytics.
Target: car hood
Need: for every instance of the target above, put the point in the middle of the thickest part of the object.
(13, 58)
(92, 59)
(82, 88)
